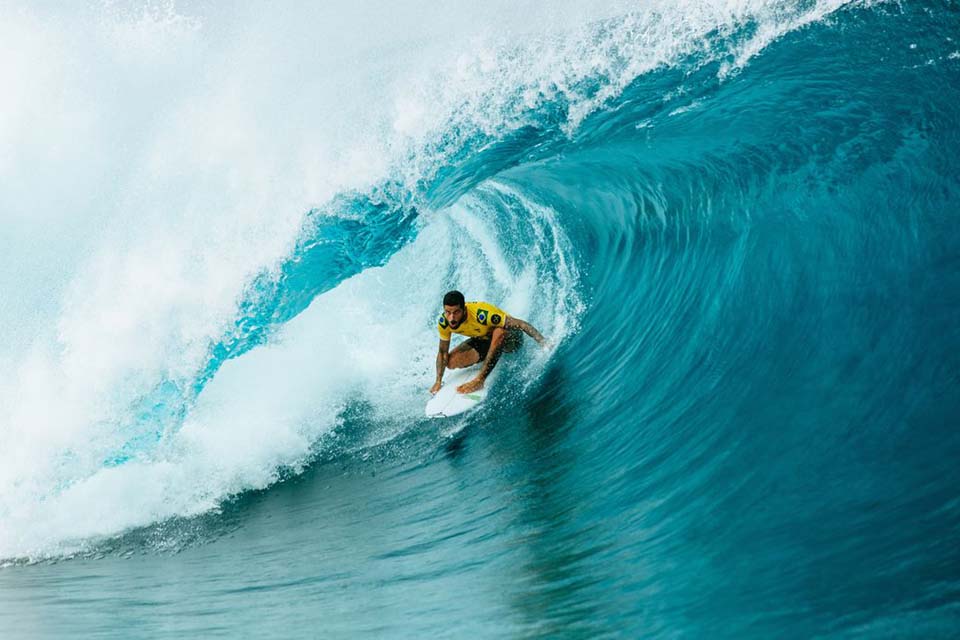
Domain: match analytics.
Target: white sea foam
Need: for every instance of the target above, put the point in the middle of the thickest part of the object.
(372, 339)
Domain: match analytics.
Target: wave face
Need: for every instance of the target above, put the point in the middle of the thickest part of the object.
(735, 222)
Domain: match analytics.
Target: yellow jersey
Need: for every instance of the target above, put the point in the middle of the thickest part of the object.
(482, 318)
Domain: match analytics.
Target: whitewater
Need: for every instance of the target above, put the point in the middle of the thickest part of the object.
(226, 233)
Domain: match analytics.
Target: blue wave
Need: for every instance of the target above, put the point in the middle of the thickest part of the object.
(761, 390)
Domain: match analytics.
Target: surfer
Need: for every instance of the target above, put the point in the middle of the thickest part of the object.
(490, 331)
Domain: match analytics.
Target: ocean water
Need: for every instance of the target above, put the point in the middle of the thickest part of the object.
(226, 233)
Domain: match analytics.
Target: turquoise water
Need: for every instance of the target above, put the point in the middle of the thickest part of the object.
(736, 223)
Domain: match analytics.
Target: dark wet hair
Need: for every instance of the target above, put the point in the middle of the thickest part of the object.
(453, 298)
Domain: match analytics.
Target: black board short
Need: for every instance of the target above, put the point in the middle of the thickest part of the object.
(512, 342)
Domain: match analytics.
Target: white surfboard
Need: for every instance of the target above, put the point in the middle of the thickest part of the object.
(448, 402)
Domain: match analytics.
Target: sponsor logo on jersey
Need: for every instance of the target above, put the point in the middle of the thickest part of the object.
(482, 316)
(495, 318)
(442, 322)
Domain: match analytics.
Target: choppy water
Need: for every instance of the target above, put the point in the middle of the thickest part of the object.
(227, 235)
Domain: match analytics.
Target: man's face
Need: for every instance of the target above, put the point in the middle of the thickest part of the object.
(454, 314)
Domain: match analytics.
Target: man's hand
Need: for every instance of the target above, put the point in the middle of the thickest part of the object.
(436, 387)
(470, 387)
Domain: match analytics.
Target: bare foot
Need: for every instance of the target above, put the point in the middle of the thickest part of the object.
(470, 387)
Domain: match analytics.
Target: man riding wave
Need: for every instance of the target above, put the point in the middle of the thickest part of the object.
(490, 331)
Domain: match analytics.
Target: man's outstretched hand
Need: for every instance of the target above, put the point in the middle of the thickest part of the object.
(436, 387)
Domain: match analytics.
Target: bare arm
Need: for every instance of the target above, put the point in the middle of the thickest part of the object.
(527, 328)
(493, 354)
(496, 347)
(443, 354)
